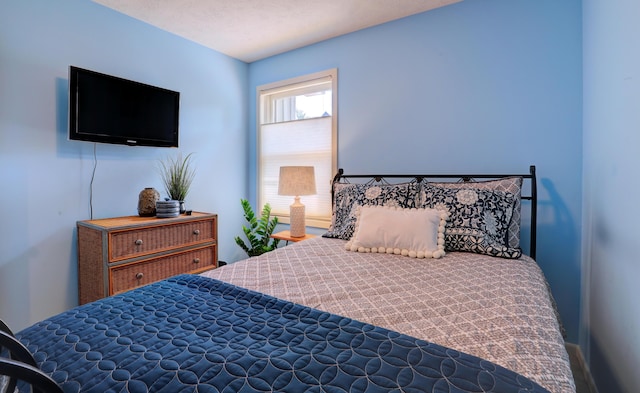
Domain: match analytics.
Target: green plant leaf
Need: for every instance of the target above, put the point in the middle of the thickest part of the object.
(258, 233)
(177, 175)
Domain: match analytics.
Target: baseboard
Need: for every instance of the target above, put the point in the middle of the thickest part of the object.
(582, 375)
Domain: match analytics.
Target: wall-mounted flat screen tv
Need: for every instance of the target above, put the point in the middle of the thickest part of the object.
(108, 109)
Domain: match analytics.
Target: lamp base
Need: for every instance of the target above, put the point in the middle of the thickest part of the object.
(296, 215)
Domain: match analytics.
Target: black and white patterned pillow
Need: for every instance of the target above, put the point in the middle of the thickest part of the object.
(479, 219)
(347, 197)
(511, 184)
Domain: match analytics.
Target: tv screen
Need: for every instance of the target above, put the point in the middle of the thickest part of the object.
(108, 109)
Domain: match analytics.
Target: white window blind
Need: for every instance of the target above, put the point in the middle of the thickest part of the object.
(298, 128)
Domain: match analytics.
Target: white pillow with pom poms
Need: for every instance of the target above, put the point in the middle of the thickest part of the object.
(417, 233)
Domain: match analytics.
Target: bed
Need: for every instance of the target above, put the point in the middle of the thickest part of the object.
(358, 309)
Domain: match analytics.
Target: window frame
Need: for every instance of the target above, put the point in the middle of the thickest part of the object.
(324, 221)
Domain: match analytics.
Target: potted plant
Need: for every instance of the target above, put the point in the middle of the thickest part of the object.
(177, 175)
(259, 231)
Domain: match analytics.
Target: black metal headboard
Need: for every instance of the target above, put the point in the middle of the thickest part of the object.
(531, 195)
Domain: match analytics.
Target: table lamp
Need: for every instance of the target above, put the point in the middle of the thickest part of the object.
(296, 181)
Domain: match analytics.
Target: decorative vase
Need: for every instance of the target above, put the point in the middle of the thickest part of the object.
(182, 209)
(167, 208)
(147, 202)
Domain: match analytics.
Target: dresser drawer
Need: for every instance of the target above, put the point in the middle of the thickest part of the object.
(143, 241)
(120, 253)
(125, 277)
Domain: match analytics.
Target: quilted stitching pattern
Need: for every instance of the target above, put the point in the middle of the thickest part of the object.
(494, 308)
(193, 334)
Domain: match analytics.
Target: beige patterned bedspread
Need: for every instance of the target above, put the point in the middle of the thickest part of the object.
(494, 308)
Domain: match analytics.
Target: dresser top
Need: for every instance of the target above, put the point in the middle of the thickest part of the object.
(132, 221)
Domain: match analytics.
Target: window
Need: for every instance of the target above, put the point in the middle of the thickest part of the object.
(297, 125)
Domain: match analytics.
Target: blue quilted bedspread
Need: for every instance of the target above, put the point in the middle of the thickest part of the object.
(194, 334)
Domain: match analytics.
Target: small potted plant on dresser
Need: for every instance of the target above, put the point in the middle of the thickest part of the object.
(177, 175)
(259, 231)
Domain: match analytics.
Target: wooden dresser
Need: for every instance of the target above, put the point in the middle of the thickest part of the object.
(121, 253)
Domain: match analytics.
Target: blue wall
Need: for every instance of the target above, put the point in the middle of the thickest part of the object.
(611, 320)
(46, 178)
(479, 86)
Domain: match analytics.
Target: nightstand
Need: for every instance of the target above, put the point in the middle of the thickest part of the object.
(286, 236)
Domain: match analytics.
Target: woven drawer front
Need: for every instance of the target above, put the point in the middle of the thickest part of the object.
(145, 272)
(144, 241)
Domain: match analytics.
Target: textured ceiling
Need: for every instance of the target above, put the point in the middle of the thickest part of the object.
(250, 30)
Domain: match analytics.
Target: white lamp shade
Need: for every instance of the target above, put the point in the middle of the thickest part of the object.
(297, 180)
